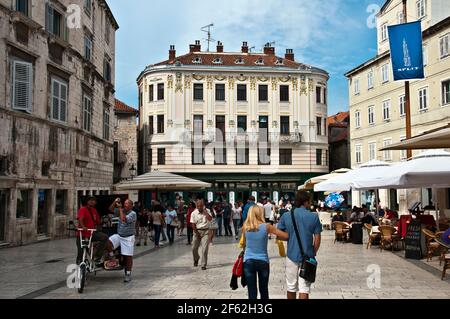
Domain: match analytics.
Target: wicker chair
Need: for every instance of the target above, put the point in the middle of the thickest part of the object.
(341, 232)
(445, 257)
(431, 243)
(372, 237)
(388, 237)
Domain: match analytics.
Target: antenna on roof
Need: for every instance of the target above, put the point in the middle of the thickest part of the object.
(207, 29)
(251, 49)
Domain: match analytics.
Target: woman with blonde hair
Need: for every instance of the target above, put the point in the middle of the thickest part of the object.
(256, 257)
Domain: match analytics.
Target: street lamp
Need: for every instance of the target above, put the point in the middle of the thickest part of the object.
(132, 171)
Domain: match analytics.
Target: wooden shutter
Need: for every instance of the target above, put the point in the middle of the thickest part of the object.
(22, 86)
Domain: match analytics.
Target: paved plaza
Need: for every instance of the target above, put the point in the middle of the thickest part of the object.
(39, 271)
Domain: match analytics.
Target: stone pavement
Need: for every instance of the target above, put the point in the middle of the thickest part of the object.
(39, 271)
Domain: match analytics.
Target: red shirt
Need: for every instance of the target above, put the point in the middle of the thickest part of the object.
(90, 219)
(188, 216)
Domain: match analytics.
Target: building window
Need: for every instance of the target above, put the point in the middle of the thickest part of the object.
(386, 110)
(107, 70)
(220, 156)
(263, 93)
(318, 94)
(198, 92)
(264, 154)
(22, 85)
(446, 92)
(88, 6)
(217, 61)
(384, 32)
(356, 86)
(59, 100)
(23, 6)
(160, 124)
(61, 202)
(319, 125)
(87, 47)
(385, 73)
(160, 91)
(242, 124)
(151, 93)
(197, 60)
(423, 99)
(239, 61)
(242, 92)
(425, 54)
(87, 113)
(161, 156)
(357, 119)
(421, 8)
(24, 206)
(371, 115)
(403, 153)
(151, 125)
(285, 156)
(402, 104)
(444, 46)
(358, 154)
(198, 156)
(198, 125)
(370, 80)
(141, 98)
(387, 155)
(55, 22)
(107, 31)
(106, 125)
(242, 156)
(220, 92)
(220, 128)
(400, 16)
(319, 155)
(149, 157)
(372, 151)
(285, 125)
(284, 93)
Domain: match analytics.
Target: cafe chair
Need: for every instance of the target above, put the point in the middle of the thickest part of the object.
(432, 245)
(388, 237)
(372, 237)
(341, 231)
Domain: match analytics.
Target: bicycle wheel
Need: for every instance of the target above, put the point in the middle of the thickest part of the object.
(82, 277)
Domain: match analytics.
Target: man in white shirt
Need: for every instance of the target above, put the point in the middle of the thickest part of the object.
(268, 212)
(200, 219)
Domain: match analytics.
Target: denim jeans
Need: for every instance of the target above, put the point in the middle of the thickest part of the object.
(237, 227)
(226, 224)
(157, 229)
(253, 269)
(219, 221)
(171, 233)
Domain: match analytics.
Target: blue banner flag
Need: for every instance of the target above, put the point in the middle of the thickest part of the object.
(406, 51)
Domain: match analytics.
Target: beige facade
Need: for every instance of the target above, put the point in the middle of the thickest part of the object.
(377, 102)
(56, 107)
(187, 100)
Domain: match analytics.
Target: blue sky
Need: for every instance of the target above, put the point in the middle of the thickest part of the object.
(330, 34)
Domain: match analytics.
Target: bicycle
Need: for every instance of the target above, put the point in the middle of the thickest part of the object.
(87, 265)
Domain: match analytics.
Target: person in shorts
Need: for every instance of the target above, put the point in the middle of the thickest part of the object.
(125, 237)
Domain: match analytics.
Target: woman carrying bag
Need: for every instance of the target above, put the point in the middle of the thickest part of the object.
(256, 258)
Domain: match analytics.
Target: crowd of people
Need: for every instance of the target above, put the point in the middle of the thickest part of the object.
(253, 224)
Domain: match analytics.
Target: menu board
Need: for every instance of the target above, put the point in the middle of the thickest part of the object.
(413, 241)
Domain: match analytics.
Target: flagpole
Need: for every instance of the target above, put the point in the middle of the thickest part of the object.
(407, 92)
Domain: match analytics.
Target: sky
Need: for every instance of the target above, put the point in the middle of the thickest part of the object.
(330, 34)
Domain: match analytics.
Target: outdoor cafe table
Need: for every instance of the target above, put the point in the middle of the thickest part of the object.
(406, 219)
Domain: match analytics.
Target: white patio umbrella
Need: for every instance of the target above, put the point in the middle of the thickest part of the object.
(158, 180)
(309, 184)
(344, 182)
(430, 169)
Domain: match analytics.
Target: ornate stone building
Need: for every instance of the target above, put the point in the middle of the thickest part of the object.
(56, 99)
(249, 123)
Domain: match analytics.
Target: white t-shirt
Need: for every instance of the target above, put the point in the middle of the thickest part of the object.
(237, 213)
(200, 220)
(268, 210)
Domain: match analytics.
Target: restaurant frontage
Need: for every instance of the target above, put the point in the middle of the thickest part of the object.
(239, 187)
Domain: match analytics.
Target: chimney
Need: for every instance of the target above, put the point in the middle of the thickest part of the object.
(219, 47)
(244, 47)
(290, 55)
(195, 47)
(172, 53)
(269, 49)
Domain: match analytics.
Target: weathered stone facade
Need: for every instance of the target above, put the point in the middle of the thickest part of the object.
(55, 128)
(125, 141)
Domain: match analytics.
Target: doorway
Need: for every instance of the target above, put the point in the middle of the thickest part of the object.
(43, 211)
(3, 209)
